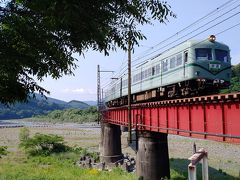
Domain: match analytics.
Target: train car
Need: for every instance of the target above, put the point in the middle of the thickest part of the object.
(195, 67)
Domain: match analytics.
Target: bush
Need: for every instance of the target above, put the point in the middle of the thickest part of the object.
(24, 134)
(3, 151)
(84, 152)
(42, 144)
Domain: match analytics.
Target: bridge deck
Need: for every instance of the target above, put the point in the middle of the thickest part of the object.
(215, 117)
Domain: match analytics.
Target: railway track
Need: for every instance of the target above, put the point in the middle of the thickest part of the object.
(215, 98)
(214, 117)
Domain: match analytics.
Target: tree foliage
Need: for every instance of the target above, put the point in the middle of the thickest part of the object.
(236, 70)
(43, 144)
(3, 151)
(235, 80)
(69, 115)
(38, 37)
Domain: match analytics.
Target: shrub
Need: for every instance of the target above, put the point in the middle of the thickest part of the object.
(3, 151)
(42, 144)
(24, 134)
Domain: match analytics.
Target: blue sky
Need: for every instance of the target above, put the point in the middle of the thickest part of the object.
(82, 86)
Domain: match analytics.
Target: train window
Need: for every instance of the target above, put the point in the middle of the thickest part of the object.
(203, 54)
(173, 62)
(221, 55)
(153, 70)
(157, 69)
(146, 73)
(149, 72)
(164, 66)
(179, 59)
(139, 77)
(125, 82)
(185, 56)
(134, 79)
(143, 75)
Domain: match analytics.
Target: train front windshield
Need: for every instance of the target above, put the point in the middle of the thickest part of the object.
(206, 54)
(203, 54)
(221, 55)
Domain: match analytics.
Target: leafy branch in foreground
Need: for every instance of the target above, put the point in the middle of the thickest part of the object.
(38, 37)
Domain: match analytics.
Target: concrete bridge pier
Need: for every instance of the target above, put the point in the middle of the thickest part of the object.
(152, 156)
(110, 146)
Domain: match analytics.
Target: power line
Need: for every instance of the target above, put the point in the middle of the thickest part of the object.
(196, 22)
(123, 70)
(215, 11)
(194, 31)
(221, 32)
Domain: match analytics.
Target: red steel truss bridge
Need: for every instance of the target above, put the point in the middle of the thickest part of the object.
(214, 117)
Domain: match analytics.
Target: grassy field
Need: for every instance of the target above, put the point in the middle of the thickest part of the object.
(224, 159)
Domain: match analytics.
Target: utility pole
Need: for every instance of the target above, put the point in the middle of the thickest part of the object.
(129, 92)
(99, 90)
(99, 108)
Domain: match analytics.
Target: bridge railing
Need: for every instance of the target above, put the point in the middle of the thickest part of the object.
(214, 117)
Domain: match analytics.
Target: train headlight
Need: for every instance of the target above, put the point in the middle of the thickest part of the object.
(212, 38)
(216, 81)
(197, 73)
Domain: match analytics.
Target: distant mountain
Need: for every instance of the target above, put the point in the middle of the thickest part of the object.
(91, 103)
(37, 106)
(78, 104)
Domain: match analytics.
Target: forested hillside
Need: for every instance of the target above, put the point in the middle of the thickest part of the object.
(68, 115)
(37, 106)
(235, 80)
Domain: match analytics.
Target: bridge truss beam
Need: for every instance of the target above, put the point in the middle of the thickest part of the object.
(215, 117)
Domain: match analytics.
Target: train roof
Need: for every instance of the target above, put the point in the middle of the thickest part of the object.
(184, 46)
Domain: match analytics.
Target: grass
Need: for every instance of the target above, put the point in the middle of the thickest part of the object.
(58, 167)
(17, 165)
(61, 166)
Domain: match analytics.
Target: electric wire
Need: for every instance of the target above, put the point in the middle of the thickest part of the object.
(195, 34)
(217, 10)
(122, 71)
(221, 32)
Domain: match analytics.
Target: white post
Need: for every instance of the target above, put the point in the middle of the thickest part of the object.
(192, 172)
(198, 156)
(204, 168)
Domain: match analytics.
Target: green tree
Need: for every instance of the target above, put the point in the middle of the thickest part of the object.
(38, 37)
(235, 80)
(236, 70)
(3, 151)
(42, 144)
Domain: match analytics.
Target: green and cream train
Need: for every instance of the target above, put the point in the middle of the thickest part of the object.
(189, 69)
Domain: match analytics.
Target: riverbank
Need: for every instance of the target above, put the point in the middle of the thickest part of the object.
(224, 161)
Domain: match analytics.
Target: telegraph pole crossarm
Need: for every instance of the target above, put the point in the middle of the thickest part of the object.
(99, 99)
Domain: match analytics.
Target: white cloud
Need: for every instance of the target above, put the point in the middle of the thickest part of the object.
(79, 91)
